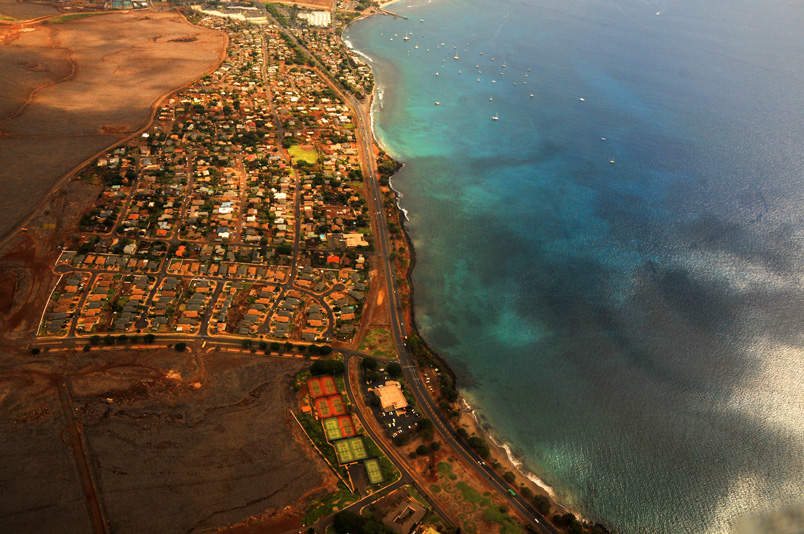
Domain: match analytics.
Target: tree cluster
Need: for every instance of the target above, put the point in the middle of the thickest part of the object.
(327, 367)
(351, 523)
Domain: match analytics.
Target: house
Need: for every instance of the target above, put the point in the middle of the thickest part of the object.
(404, 517)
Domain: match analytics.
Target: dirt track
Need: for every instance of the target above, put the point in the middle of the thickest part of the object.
(175, 442)
(69, 84)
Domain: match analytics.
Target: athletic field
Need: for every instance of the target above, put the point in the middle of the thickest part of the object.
(350, 450)
(373, 470)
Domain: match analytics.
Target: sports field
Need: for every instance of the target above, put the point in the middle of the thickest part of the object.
(347, 427)
(329, 406)
(332, 429)
(350, 450)
(373, 470)
(321, 386)
(338, 427)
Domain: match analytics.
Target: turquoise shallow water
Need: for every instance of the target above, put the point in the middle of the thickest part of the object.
(632, 329)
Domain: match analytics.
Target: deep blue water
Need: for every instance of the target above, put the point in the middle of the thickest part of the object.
(633, 329)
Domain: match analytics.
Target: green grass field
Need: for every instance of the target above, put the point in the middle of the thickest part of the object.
(378, 342)
(328, 505)
(299, 153)
(65, 18)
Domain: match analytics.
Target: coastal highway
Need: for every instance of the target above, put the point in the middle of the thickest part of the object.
(382, 244)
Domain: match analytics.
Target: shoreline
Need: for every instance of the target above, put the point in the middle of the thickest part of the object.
(501, 451)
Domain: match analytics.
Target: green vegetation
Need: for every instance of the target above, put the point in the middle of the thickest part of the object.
(327, 367)
(273, 9)
(328, 505)
(500, 516)
(568, 521)
(480, 446)
(394, 370)
(468, 492)
(300, 154)
(65, 18)
(351, 523)
(541, 503)
(378, 342)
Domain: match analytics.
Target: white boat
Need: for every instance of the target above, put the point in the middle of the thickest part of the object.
(456, 57)
(495, 118)
(421, 20)
(406, 38)
(436, 74)
(438, 103)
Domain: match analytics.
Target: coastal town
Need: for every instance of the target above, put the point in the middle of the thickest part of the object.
(253, 218)
(240, 212)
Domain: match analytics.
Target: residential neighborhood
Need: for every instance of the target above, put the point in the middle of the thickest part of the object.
(241, 212)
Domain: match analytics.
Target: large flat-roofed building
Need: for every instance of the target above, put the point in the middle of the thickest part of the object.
(391, 397)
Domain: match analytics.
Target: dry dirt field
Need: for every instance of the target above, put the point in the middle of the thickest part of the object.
(174, 442)
(25, 10)
(71, 89)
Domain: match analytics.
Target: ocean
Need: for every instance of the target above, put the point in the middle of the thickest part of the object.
(615, 265)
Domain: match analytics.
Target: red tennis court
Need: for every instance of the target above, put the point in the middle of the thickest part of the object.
(321, 386)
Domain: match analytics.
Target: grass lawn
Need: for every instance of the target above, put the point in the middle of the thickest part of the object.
(378, 342)
(65, 18)
(299, 153)
(328, 505)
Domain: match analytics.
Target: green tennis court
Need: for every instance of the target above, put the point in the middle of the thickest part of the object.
(332, 428)
(373, 470)
(350, 450)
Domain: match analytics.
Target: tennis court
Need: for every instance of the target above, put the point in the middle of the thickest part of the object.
(314, 385)
(350, 450)
(323, 408)
(347, 426)
(332, 429)
(373, 470)
(328, 386)
(337, 405)
(321, 386)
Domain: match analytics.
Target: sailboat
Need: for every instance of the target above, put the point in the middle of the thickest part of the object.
(406, 38)
(495, 117)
